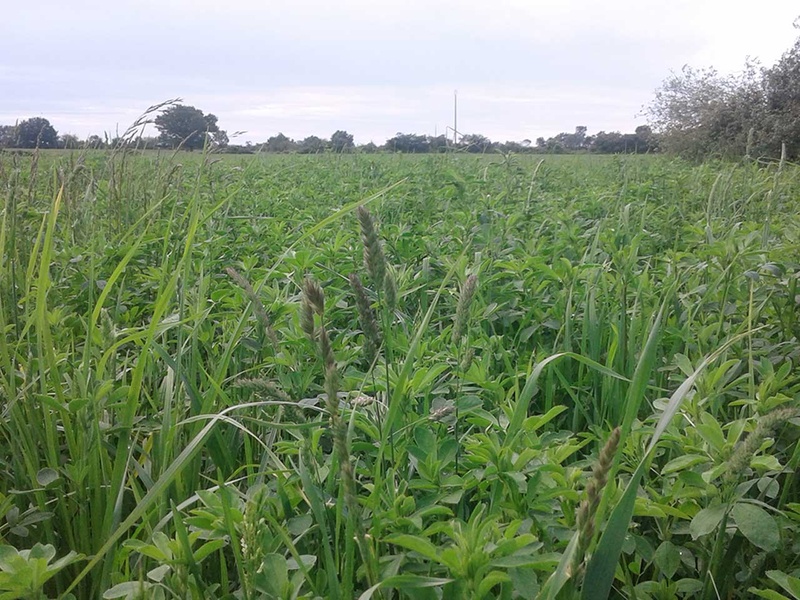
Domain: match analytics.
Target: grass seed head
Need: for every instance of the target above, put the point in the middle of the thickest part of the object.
(462, 310)
(312, 291)
(390, 290)
(374, 260)
(258, 306)
(739, 461)
(584, 521)
(366, 316)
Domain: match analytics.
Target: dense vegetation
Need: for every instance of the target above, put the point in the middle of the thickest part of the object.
(446, 376)
(755, 113)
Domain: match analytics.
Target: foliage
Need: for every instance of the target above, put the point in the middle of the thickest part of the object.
(754, 113)
(187, 127)
(398, 376)
(341, 141)
(35, 133)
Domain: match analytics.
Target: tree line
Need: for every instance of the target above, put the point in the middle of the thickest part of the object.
(188, 128)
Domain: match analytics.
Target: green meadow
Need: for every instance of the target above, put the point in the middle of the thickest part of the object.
(389, 376)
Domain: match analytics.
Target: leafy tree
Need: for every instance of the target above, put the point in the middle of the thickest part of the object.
(408, 142)
(312, 145)
(341, 141)
(438, 143)
(185, 126)
(70, 141)
(8, 136)
(280, 143)
(96, 142)
(368, 148)
(475, 142)
(36, 133)
(782, 98)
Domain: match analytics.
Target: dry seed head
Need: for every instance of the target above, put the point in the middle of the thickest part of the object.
(466, 362)
(258, 307)
(366, 316)
(312, 291)
(390, 290)
(767, 424)
(307, 319)
(266, 387)
(439, 414)
(584, 521)
(374, 260)
(462, 310)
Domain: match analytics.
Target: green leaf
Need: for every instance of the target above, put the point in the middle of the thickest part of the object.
(757, 525)
(403, 582)
(158, 573)
(46, 476)
(787, 582)
(417, 544)
(492, 579)
(128, 589)
(769, 594)
(765, 463)
(667, 558)
(273, 576)
(706, 521)
(685, 461)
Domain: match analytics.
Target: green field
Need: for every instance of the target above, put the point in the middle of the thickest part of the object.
(199, 400)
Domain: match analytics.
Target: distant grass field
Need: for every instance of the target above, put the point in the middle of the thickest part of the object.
(436, 376)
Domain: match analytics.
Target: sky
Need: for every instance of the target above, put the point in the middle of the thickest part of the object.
(521, 68)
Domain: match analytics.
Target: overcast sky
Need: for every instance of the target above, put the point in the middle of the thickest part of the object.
(522, 68)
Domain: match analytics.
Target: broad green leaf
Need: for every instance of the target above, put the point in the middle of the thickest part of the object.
(415, 543)
(46, 476)
(667, 558)
(402, 582)
(787, 582)
(685, 461)
(757, 525)
(706, 521)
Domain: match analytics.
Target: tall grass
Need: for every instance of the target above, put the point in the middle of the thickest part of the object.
(184, 412)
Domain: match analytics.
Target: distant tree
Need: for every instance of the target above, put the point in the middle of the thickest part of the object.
(185, 126)
(341, 141)
(475, 142)
(220, 139)
(515, 147)
(312, 145)
(408, 142)
(437, 143)
(95, 142)
(69, 141)
(36, 133)
(280, 143)
(368, 148)
(8, 136)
